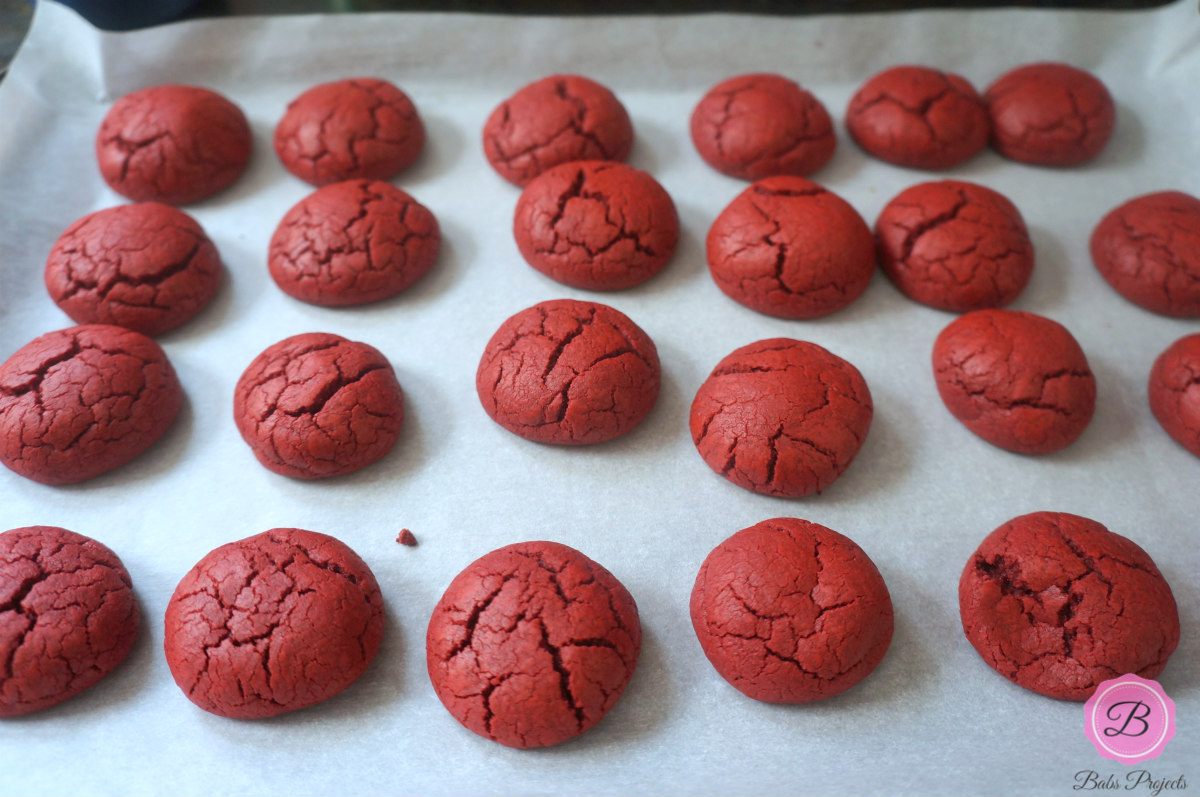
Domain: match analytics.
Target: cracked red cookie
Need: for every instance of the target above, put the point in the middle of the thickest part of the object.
(1174, 390)
(760, 125)
(317, 405)
(598, 225)
(918, 117)
(272, 623)
(532, 644)
(1057, 603)
(781, 417)
(81, 401)
(790, 248)
(955, 246)
(1050, 114)
(147, 267)
(1018, 380)
(172, 144)
(568, 372)
(1148, 250)
(554, 120)
(68, 616)
(363, 128)
(788, 611)
(353, 242)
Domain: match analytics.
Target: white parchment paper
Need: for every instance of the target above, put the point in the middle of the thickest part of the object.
(933, 719)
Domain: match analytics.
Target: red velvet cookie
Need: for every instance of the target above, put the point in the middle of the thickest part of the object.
(1148, 249)
(1057, 603)
(761, 125)
(955, 246)
(789, 248)
(788, 611)
(568, 372)
(556, 119)
(272, 623)
(318, 405)
(146, 267)
(781, 417)
(1018, 380)
(1174, 389)
(81, 401)
(351, 243)
(356, 128)
(68, 616)
(172, 144)
(919, 117)
(532, 644)
(598, 225)
(1050, 114)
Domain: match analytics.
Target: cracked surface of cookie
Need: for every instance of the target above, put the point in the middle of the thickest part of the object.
(318, 405)
(1057, 603)
(68, 616)
(81, 401)
(1018, 380)
(1174, 391)
(1050, 114)
(918, 117)
(781, 417)
(597, 225)
(955, 246)
(1148, 250)
(172, 144)
(272, 623)
(761, 125)
(363, 128)
(532, 644)
(568, 372)
(554, 120)
(790, 248)
(788, 611)
(353, 242)
(147, 267)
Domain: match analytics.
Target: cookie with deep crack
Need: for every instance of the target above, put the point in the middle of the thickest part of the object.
(598, 225)
(272, 623)
(1174, 391)
(532, 644)
(1057, 603)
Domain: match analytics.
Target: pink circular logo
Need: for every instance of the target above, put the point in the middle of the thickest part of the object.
(1129, 719)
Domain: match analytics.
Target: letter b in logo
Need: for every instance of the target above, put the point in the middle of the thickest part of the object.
(1129, 719)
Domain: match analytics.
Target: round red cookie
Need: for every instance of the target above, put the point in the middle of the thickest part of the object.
(147, 267)
(1174, 389)
(789, 248)
(81, 401)
(532, 644)
(761, 125)
(1057, 603)
(356, 128)
(272, 623)
(318, 405)
(1148, 250)
(1050, 114)
(1018, 380)
(788, 611)
(568, 372)
(172, 144)
(598, 225)
(352, 243)
(554, 120)
(918, 117)
(781, 417)
(955, 246)
(68, 616)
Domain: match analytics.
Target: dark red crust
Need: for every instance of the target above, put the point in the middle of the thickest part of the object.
(1057, 603)
(272, 623)
(1174, 391)
(68, 616)
(781, 417)
(532, 644)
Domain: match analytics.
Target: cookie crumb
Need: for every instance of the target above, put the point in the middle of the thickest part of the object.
(407, 538)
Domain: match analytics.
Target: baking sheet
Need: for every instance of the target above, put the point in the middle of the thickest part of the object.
(932, 719)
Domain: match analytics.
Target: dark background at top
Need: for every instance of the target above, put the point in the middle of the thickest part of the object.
(236, 7)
